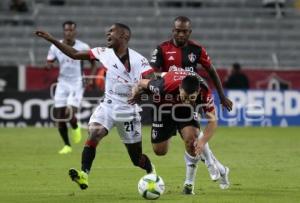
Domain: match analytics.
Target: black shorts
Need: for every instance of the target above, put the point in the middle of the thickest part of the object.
(165, 127)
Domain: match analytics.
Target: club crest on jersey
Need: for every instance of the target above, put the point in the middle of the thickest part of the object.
(192, 57)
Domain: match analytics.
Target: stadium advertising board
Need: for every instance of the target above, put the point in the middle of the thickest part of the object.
(8, 78)
(251, 108)
(262, 108)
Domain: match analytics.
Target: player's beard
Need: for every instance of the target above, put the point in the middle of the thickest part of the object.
(180, 42)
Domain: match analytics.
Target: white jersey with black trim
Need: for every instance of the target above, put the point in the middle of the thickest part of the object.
(119, 81)
(70, 70)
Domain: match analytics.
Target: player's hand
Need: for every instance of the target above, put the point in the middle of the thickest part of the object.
(199, 147)
(227, 103)
(44, 34)
(135, 95)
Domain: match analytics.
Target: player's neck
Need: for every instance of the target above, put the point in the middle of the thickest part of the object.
(174, 42)
(69, 42)
(121, 51)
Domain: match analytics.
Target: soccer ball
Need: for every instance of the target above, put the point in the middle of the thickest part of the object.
(151, 186)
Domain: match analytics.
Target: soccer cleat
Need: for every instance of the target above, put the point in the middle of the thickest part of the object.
(79, 177)
(214, 172)
(188, 189)
(224, 180)
(76, 134)
(65, 150)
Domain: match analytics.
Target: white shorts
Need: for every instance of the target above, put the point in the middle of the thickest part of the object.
(68, 94)
(129, 128)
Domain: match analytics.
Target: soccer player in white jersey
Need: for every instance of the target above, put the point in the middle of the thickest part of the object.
(125, 68)
(69, 89)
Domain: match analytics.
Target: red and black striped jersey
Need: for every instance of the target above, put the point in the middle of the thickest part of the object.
(168, 57)
(167, 88)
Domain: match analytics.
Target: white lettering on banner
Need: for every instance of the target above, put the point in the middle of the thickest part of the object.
(11, 109)
(43, 107)
(286, 103)
(255, 99)
(274, 101)
(239, 100)
(292, 103)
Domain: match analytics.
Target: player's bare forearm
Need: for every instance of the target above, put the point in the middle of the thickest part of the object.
(216, 80)
(68, 50)
(211, 126)
(208, 132)
(143, 84)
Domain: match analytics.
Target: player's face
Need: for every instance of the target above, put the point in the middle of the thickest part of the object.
(113, 36)
(181, 32)
(69, 32)
(188, 98)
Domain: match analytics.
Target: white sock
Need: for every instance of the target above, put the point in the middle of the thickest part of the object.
(218, 164)
(210, 157)
(191, 164)
(206, 154)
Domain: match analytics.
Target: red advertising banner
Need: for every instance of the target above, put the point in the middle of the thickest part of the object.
(38, 78)
(264, 79)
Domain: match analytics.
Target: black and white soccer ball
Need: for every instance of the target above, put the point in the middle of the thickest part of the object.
(151, 186)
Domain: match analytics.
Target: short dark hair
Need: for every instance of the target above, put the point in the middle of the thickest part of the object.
(190, 84)
(183, 19)
(68, 22)
(236, 66)
(123, 26)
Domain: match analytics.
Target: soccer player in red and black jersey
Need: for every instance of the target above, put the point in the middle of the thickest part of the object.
(182, 53)
(178, 97)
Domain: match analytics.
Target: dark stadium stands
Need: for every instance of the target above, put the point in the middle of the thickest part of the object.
(231, 30)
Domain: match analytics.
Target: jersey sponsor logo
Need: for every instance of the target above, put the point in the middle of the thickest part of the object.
(175, 68)
(171, 52)
(192, 57)
(157, 125)
(171, 58)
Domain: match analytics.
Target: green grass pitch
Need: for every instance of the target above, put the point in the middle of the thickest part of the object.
(264, 164)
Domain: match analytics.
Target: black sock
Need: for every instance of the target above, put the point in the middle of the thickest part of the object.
(88, 155)
(145, 163)
(73, 122)
(63, 131)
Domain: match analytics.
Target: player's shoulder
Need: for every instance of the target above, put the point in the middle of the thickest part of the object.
(195, 44)
(81, 43)
(53, 47)
(165, 43)
(135, 54)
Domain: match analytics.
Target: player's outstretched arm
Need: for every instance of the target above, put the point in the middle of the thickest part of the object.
(68, 50)
(208, 132)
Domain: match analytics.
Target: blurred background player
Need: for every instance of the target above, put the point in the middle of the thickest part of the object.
(124, 69)
(180, 53)
(181, 95)
(69, 88)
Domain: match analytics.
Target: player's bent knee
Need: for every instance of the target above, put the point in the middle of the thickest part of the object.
(97, 132)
